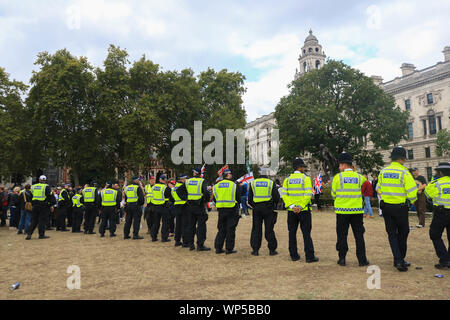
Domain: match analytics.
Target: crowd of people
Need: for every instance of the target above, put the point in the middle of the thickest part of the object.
(179, 208)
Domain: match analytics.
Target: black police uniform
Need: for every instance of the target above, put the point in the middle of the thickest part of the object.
(90, 213)
(63, 210)
(77, 216)
(263, 212)
(228, 219)
(196, 217)
(134, 214)
(161, 212)
(181, 219)
(40, 214)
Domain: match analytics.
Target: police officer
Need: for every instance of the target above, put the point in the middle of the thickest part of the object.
(160, 208)
(42, 202)
(439, 191)
(263, 196)
(148, 199)
(92, 203)
(77, 210)
(134, 198)
(180, 212)
(396, 185)
(64, 203)
(297, 194)
(110, 202)
(197, 195)
(348, 206)
(227, 197)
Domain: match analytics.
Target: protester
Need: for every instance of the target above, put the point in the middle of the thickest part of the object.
(25, 210)
(367, 194)
(3, 206)
(420, 204)
(14, 208)
(317, 190)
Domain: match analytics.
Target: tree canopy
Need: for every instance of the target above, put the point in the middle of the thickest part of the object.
(340, 108)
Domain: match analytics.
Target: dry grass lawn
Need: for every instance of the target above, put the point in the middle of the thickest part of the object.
(119, 269)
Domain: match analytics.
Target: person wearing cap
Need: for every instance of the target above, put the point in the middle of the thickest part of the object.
(348, 205)
(42, 203)
(439, 191)
(180, 214)
(92, 202)
(160, 202)
(396, 186)
(227, 197)
(134, 198)
(148, 199)
(421, 205)
(110, 201)
(297, 194)
(197, 195)
(77, 211)
(263, 197)
(64, 203)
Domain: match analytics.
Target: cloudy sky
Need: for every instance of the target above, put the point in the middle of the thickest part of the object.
(261, 39)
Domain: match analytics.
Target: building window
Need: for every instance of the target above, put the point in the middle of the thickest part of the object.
(317, 64)
(439, 121)
(430, 98)
(410, 130)
(424, 127)
(317, 49)
(408, 104)
(410, 154)
(304, 67)
(432, 120)
(428, 152)
(310, 50)
(429, 173)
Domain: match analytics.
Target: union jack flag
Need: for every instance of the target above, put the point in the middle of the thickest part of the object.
(318, 185)
(203, 171)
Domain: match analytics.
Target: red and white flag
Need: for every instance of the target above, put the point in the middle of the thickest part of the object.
(247, 178)
(222, 170)
(202, 171)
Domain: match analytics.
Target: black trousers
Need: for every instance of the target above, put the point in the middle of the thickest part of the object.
(441, 221)
(160, 213)
(172, 216)
(304, 219)
(226, 225)
(397, 227)
(197, 218)
(39, 218)
(134, 214)
(69, 216)
(77, 218)
(317, 201)
(343, 222)
(3, 215)
(61, 218)
(108, 215)
(263, 214)
(90, 213)
(180, 223)
(148, 216)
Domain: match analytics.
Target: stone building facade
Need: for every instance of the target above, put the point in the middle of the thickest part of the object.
(424, 93)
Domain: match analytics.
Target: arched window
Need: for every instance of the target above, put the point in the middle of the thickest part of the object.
(310, 49)
(317, 49)
(305, 67)
(317, 64)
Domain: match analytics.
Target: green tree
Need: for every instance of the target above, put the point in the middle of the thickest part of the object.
(443, 143)
(19, 154)
(340, 108)
(63, 112)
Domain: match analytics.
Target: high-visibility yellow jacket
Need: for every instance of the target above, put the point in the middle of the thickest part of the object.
(262, 190)
(396, 184)
(346, 192)
(439, 191)
(148, 193)
(297, 191)
(178, 201)
(225, 194)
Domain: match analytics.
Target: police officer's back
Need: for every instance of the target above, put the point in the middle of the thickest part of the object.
(396, 186)
(42, 202)
(134, 198)
(227, 198)
(439, 191)
(92, 202)
(263, 197)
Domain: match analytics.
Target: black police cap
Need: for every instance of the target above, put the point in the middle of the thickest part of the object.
(297, 163)
(345, 157)
(443, 166)
(398, 153)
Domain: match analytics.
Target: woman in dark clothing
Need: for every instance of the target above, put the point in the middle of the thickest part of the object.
(25, 216)
(14, 209)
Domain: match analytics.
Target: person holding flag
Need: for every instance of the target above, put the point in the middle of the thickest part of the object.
(317, 190)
